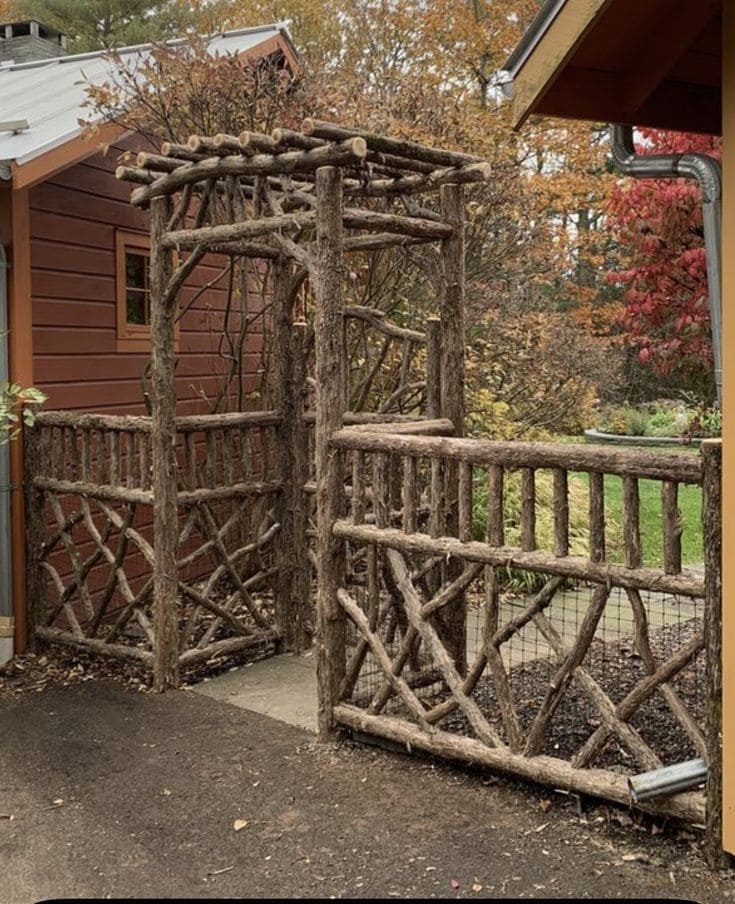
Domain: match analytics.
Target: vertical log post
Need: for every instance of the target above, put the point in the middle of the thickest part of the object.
(672, 526)
(528, 509)
(597, 516)
(433, 410)
(293, 583)
(163, 451)
(433, 367)
(452, 394)
(331, 402)
(561, 512)
(632, 523)
(711, 451)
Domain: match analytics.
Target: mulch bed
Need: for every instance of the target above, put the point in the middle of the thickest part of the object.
(617, 668)
(57, 666)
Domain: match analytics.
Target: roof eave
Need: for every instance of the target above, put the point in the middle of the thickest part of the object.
(542, 53)
(76, 145)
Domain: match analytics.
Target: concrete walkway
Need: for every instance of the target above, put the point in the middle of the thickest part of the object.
(282, 687)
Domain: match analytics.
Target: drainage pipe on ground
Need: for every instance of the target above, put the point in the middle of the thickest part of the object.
(708, 173)
(667, 780)
(7, 624)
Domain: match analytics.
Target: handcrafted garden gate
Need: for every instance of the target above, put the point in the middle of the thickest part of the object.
(420, 636)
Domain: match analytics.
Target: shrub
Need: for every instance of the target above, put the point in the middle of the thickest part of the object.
(540, 366)
(705, 422)
(635, 422)
(16, 403)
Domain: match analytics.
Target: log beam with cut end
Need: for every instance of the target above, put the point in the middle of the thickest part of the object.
(351, 151)
(439, 157)
(232, 232)
(546, 770)
(471, 172)
(206, 236)
(653, 466)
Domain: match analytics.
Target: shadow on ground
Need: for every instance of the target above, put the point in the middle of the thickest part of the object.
(109, 792)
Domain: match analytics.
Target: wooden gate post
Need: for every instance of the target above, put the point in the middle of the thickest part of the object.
(163, 453)
(452, 391)
(711, 452)
(331, 402)
(293, 582)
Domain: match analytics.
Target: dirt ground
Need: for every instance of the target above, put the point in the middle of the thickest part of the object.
(110, 791)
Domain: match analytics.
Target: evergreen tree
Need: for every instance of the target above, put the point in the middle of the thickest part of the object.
(97, 24)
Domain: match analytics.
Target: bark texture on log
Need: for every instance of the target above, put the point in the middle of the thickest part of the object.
(711, 452)
(684, 584)
(452, 395)
(545, 770)
(163, 445)
(331, 403)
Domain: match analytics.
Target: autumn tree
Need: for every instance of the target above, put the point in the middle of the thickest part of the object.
(428, 72)
(659, 222)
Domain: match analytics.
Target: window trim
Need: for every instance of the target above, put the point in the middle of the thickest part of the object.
(131, 337)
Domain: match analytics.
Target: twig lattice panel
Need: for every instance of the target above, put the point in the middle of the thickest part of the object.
(574, 676)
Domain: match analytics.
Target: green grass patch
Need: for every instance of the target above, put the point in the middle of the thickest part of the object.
(690, 506)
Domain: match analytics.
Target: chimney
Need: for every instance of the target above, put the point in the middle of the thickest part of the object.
(22, 42)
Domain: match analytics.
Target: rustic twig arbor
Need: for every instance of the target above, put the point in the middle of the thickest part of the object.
(251, 196)
(399, 550)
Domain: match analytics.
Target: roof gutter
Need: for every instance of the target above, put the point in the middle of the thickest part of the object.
(708, 174)
(528, 43)
(7, 623)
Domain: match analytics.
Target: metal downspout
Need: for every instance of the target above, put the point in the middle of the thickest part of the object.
(6, 600)
(708, 173)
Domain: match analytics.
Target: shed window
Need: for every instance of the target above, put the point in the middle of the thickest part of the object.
(132, 278)
(137, 287)
(133, 290)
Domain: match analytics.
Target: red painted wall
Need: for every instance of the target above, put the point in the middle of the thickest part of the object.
(73, 217)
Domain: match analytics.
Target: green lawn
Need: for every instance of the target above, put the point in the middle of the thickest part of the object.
(690, 502)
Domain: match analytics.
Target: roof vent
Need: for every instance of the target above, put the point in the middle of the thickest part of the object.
(23, 42)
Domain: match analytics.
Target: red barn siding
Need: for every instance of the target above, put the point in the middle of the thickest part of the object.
(73, 218)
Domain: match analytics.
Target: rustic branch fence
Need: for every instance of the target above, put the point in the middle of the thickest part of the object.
(92, 548)
(413, 623)
(418, 674)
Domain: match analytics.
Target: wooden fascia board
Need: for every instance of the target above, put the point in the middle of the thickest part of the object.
(43, 167)
(20, 341)
(555, 48)
(86, 145)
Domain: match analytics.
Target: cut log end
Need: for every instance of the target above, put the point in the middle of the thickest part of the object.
(359, 147)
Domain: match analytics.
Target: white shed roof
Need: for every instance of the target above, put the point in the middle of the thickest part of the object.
(49, 94)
